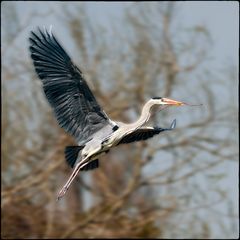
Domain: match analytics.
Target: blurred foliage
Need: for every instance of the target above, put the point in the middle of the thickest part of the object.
(162, 188)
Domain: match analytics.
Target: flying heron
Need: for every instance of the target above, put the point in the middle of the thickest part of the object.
(77, 110)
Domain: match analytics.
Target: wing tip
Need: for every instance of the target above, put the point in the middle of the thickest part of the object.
(173, 125)
(40, 31)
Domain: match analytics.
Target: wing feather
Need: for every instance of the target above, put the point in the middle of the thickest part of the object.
(145, 133)
(74, 105)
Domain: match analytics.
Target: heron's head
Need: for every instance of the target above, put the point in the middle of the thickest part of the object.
(166, 101)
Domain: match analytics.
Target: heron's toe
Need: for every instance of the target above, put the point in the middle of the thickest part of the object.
(61, 193)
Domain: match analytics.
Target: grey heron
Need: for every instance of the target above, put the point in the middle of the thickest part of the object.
(77, 110)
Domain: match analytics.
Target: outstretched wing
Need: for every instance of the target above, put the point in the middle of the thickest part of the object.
(145, 133)
(75, 107)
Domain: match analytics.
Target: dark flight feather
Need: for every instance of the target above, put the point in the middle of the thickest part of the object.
(145, 133)
(71, 155)
(75, 107)
(91, 166)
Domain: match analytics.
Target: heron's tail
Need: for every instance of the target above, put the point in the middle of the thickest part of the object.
(71, 155)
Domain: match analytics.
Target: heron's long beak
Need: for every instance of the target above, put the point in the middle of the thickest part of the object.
(168, 101)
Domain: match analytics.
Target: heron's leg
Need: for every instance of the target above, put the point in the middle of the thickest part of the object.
(81, 164)
(71, 178)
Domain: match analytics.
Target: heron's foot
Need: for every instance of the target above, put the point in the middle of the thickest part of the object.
(61, 193)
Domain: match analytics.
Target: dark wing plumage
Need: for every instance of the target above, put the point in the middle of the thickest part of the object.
(75, 107)
(71, 155)
(145, 133)
(91, 165)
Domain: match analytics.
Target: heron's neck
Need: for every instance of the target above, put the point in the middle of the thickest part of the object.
(145, 115)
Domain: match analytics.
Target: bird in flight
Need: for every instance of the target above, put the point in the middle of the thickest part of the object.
(77, 110)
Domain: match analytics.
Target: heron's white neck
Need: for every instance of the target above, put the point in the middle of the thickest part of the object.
(145, 115)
